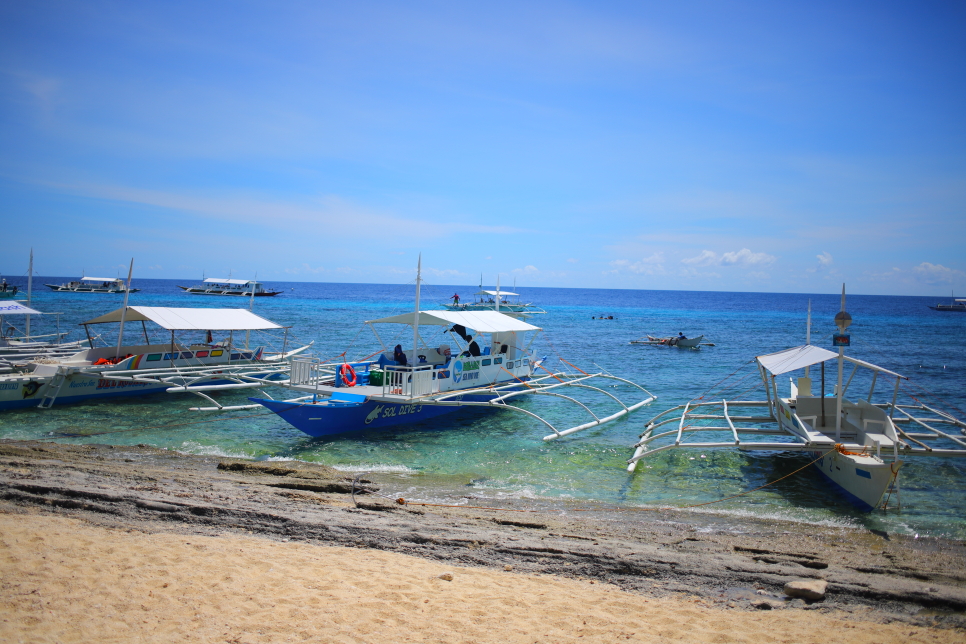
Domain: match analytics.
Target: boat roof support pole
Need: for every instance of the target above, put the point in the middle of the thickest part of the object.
(774, 386)
(376, 333)
(90, 340)
(895, 394)
(172, 348)
(849, 382)
(875, 375)
(530, 343)
(145, 329)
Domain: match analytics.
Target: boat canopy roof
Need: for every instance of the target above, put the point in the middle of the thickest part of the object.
(6, 308)
(495, 293)
(183, 319)
(101, 279)
(806, 356)
(218, 280)
(481, 321)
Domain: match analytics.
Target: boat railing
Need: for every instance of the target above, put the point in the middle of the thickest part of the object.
(305, 371)
(409, 381)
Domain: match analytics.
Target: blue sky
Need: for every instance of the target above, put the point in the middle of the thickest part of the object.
(754, 146)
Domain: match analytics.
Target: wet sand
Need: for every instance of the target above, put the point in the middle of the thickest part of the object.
(126, 544)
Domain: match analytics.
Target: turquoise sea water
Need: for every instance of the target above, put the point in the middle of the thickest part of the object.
(490, 456)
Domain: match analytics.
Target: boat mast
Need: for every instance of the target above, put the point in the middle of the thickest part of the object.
(842, 321)
(127, 292)
(251, 303)
(808, 330)
(419, 273)
(30, 288)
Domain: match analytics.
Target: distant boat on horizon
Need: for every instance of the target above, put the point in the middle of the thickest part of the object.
(228, 286)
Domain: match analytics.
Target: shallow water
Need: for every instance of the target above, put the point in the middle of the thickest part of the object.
(493, 455)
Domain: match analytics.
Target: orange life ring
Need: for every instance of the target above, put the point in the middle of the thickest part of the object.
(349, 381)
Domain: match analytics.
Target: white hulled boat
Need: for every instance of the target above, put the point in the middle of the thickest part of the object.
(93, 285)
(230, 287)
(856, 444)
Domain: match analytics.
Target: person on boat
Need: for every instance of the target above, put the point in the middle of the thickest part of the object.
(474, 348)
(3, 287)
(399, 355)
(15, 287)
(460, 330)
(456, 299)
(681, 336)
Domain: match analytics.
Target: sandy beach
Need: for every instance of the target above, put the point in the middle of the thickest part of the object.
(137, 544)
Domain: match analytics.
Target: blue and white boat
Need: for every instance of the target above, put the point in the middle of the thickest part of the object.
(857, 445)
(491, 366)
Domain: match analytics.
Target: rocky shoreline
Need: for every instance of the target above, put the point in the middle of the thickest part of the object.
(870, 576)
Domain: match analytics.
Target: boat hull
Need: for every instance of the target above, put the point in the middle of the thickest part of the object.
(865, 483)
(64, 289)
(328, 418)
(196, 291)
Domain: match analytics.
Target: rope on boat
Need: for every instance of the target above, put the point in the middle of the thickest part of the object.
(404, 502)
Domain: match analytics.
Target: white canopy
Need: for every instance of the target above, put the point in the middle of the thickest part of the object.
(100, 279)
(7, 308)
(480, 321)
(180, 319)
(806, 356)
(218, 280)
(495, 293)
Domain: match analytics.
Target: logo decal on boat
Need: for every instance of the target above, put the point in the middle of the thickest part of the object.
(30, 388)
(374, 414)
(457, 372)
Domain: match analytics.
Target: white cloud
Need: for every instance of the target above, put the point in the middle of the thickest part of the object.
(572, 261)
(305, 269)
(653, 265)
(825, 259)
(936, 273)
(743, 257)
(527, 270)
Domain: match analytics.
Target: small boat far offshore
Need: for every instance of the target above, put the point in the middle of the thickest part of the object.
(679, 341)
(956, 305)
(403, 386)
(227, 286)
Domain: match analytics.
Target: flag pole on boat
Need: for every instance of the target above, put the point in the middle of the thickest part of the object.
(842, 321)
(808, 330)
(127, 292)
(419, 273)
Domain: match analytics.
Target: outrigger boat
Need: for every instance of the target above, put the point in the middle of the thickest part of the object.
(485, 300)
(138, 370)
(225, 286)
(857, 445)
(675, 341)
(93, 285)
(17, 351)
(407, 386)
(956, 305)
